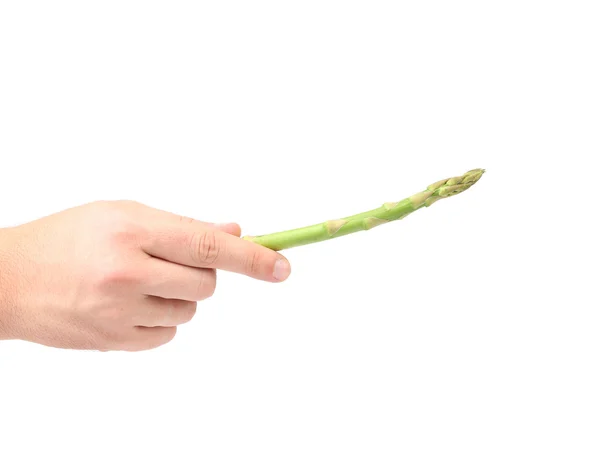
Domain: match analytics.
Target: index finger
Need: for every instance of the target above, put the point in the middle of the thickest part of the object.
(196, 244)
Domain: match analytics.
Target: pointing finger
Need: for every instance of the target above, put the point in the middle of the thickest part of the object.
(201, 245)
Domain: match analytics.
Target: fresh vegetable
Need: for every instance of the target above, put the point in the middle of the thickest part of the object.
(365, 221)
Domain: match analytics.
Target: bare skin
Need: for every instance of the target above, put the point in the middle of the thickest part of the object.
(117, 275)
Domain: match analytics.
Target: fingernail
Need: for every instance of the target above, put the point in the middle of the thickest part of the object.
(282, 270)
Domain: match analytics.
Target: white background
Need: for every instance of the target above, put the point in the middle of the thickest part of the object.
(470, 328)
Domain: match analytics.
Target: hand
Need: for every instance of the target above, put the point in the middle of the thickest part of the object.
(117, 275)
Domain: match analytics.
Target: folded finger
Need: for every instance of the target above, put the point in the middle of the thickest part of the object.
(172, 280)
(200, 245)
(164, 312)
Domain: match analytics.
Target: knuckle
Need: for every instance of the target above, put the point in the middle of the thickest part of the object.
(117, 277)
(126, 233)
(205, 249)
(122, 276)
(117, 221)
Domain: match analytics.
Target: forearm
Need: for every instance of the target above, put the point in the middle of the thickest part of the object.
(7, 286)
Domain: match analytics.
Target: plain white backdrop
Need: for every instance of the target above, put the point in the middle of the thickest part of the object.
(471, 328)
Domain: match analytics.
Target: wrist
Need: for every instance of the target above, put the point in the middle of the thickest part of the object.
(7, 295)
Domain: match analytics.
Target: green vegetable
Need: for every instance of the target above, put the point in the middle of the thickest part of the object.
(365, 221)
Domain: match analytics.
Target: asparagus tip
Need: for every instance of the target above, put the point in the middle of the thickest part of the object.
(449, 187)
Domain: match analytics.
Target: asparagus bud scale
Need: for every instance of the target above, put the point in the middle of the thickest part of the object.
(365, 221)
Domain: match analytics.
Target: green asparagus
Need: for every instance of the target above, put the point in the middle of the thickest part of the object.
(367, 220)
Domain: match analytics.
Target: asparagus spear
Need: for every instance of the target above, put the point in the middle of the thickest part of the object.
(365, 221)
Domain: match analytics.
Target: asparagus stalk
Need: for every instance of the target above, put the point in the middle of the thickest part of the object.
(365, 221)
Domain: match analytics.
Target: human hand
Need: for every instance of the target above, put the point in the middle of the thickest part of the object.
(117, 275)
